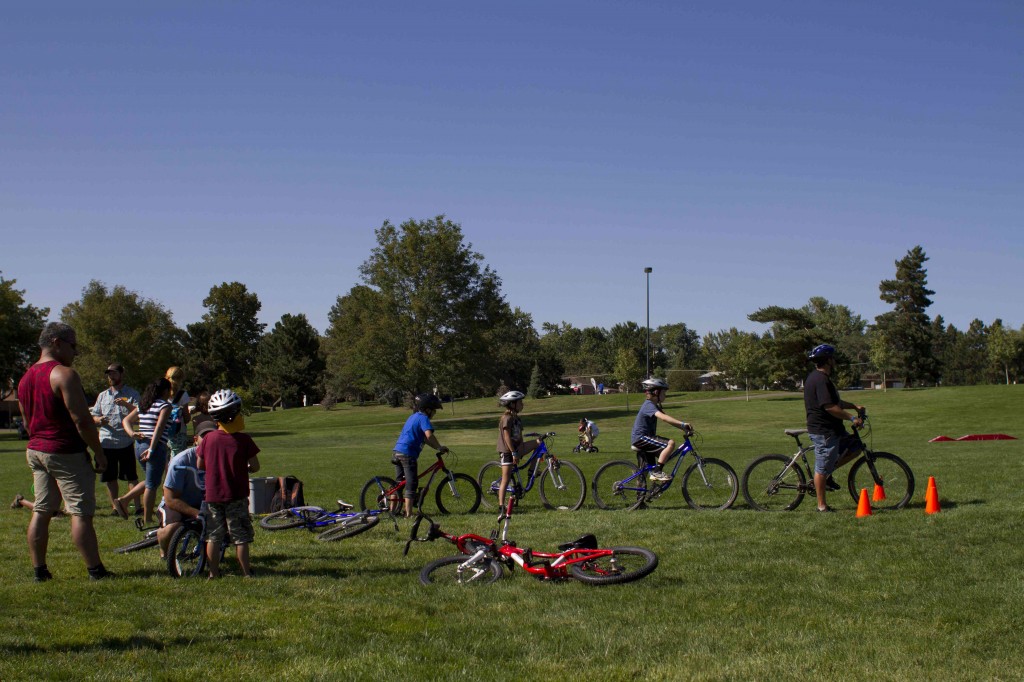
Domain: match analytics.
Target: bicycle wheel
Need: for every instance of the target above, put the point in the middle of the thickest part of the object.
(771, 484)
(489, 479)
(897, 480)
(616, 485)
(186, 553)
(623, 565)
(717, 488)
(291, 518)
(148, 541)
(349, 527)
(562, 486)
(454, 569)
(461, 496)
(372, 496)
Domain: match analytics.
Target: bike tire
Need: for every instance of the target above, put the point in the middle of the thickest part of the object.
(489, 479)
(718, 493)
(293, 517)
(483, 571)
(608, 490)
(349, 528)
(625, 565)
(770, 484)
(573, 492)
(465, 499)
(898, 481)
(372, 494)
(144, 543)
(186, 553)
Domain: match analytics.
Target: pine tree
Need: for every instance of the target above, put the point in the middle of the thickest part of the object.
(907, 327)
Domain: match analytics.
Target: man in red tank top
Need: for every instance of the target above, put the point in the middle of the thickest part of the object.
(60, 429)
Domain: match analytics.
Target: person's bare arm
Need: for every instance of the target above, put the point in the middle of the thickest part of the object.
(65, 382)
(678, 423)
(254, 464)
(172, 500)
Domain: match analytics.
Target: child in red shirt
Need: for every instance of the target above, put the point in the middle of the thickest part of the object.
(228, 457)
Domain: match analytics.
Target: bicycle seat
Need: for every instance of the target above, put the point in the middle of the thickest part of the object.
(588, 541)
(795, 432)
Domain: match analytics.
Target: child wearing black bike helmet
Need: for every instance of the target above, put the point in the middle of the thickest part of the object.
(417, 431)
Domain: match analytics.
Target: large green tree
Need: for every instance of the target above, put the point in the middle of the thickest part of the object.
(908, 325)
(1004, 346)
(428, 304)
(288, 361)
(20, 325)
(221, 347)
(795, 331)
(117, 325)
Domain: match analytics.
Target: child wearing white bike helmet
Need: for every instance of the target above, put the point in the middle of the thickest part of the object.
(645, 438)
(510, 442)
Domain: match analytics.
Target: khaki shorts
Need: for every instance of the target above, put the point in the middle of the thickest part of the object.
(63, 476)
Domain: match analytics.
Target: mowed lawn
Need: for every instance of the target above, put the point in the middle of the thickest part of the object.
(738, 595)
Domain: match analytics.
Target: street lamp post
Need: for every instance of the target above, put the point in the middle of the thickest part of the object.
(648, 271)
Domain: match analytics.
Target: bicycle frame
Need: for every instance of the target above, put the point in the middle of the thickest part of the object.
(313, 521)
(534, 463)
(640, 480)
(393, 494)
(544, 565)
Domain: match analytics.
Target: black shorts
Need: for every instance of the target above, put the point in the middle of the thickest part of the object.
(648, 448)
(120, 465)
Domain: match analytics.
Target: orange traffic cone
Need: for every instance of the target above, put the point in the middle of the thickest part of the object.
(863, 507)
(879, 494)
(931, 498)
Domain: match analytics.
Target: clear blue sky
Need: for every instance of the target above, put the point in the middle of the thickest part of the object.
(752, 153)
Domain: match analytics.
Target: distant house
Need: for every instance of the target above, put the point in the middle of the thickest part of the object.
(874, 380)
(8, 407)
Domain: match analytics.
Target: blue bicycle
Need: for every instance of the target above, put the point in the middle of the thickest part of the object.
(332, 525)
(561, 484)
(707, 484)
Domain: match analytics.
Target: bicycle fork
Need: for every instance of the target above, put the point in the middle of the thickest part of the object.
(471, 569)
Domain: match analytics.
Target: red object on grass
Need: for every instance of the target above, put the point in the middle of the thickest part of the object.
(941, 439)
(987, 436)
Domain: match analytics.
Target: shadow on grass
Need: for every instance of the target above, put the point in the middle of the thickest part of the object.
(113, 644)
(269, 434)
(785, 399)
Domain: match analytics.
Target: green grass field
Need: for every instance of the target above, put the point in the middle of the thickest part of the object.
(738, 595)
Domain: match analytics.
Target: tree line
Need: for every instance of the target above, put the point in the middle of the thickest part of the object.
(429, 315)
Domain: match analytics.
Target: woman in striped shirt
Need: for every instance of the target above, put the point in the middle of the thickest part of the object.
(147, 425)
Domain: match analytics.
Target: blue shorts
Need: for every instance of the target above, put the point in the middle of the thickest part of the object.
(828, 449)
(154, 466)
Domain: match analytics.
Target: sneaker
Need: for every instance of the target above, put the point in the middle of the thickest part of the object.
(830, 484)
(42, 575)
(101, 574)
(660, 476)
(826, 510)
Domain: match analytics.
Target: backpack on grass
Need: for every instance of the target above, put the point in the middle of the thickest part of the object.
(288, 494)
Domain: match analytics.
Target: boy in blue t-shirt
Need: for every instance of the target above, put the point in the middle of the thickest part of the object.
(417, 431)
(645, 428)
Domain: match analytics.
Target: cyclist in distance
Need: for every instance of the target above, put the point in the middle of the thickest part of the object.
(417, 431)
(645, 438)
(588, 432)
(833, 446)
(510, 442)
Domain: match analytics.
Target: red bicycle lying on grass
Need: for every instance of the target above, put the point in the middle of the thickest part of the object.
(483, 560)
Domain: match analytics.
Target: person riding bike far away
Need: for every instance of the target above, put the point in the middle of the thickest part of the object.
(588, 432)
(833, 446)
(510, 442)
(417, 430)
(645, 438)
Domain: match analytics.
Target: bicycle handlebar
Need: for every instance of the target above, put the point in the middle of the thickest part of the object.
(534, 434)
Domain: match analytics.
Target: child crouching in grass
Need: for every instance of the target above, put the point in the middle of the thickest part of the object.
(228, 457)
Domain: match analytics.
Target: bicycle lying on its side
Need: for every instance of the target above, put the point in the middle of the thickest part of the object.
(561, 484)
(779, 482)
(708, 483)
(483, 560)
(331, 525)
